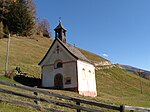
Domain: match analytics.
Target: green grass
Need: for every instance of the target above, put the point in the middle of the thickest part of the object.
(7, 107)
(114, 85)
(24, 52)
(92, 57)
(121, 87)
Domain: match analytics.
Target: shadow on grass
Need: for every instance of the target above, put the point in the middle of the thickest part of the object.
(32, 82)
(28, 81)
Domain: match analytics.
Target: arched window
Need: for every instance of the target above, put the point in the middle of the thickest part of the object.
(90, 74)
(90, 71)
(83, 74)
(58, 64)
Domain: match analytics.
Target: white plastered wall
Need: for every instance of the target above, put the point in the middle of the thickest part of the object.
(86, 78)
(68, 70)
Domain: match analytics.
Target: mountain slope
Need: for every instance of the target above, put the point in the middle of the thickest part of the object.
(141, 72)
(119, 86)
(114, 85)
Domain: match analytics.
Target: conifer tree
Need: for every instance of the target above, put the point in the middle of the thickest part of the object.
(20, 18)
(3, 10)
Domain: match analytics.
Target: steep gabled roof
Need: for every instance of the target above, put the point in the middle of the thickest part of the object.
(74, 51)
(71, 49)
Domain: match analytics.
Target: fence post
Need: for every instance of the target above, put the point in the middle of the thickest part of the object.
(35, 101)
(78, 103)
(36, 94)
(122, 108)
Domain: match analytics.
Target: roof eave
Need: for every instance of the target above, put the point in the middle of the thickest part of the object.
(67, 49)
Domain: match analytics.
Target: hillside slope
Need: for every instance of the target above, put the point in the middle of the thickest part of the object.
(119, 86)
(27, 53)
(114, 85)
(141, 72)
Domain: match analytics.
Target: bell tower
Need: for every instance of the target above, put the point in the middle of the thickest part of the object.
(60, 32)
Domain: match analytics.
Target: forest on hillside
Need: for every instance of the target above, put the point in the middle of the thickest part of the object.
(19, 17)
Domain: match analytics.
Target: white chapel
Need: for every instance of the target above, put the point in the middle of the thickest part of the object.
(65, 67)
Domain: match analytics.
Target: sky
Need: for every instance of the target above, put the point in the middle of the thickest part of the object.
(118, 30)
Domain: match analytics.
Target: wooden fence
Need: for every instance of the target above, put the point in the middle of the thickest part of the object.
(60, 100)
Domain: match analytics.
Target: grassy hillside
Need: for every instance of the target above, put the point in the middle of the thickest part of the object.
(27, 53)
(114, 85)
(92, 57)
(119, 86)
(24, 52)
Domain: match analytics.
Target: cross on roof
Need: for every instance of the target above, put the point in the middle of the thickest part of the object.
(60, 20)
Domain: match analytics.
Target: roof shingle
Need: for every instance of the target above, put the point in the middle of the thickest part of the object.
(74, 51)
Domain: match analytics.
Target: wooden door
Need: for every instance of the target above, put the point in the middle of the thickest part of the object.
(58, 81)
